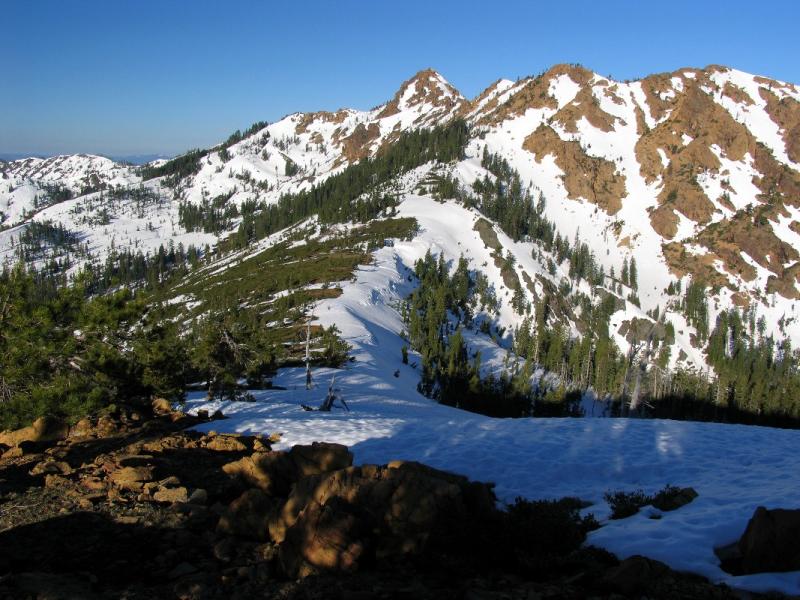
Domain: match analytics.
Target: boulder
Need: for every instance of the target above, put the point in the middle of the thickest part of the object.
(335, 520)
(14, 452)
(47, 467)
(771, 541)
(268, 471)
(332, 537)
(171, 495)
(225, 443)
(106, 427)
(260, 445)
(82, 429)
(634, 575)
(249, 515)
(198, 496)
(162, 406)
(276, 472)
(320, 457)
(131, 478)
(43, 430)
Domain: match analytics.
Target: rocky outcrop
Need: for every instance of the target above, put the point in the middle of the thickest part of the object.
(276, 472)
(336, 520)
(589, 177)
(43, 430)
(768, 544)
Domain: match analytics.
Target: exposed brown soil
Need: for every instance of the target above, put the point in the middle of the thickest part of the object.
(753, 235)
(426, 90)
(641, 122)
(533, 94)
(775, 84)
(322, 116)
(589, 177)
(529, 284)
(664, 221)
(509, 275)
(488, 234)
(357, 145)
(611, 92)
(585, 105)
(785, 112)
(653, 86)
(778, 183)
(701, 268)
(489, 239)
(536, 94)
(578, 73)
(736, 94)
(787, 283)
(490, 106)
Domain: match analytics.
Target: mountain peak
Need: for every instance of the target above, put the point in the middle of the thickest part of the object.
(427, 88)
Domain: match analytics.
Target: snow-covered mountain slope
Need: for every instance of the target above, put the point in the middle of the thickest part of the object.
(303, 149)
(691, 173)
(31, 184)
(694, 174)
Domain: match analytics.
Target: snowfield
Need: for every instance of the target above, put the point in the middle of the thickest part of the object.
(734, 468)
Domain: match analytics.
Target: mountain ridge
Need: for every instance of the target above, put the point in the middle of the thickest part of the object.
(692, 173)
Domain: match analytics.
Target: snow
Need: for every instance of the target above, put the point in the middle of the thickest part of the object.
(563, 89)
(498, 91)
(734, 468)
(21, 181)
(315, 141)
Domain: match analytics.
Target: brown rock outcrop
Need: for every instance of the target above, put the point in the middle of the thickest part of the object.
(336, 520)
(43, 430)
(770, 542)
(589, 177)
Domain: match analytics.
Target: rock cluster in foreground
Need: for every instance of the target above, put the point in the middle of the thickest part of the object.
(133, 505)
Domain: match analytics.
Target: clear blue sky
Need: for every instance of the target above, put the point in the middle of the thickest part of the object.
(126, 77)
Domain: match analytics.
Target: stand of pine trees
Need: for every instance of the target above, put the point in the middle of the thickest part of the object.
(436, 314)
(69, 350)
(67, 355)
(757, 381)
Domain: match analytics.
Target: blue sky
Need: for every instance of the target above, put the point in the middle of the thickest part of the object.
(125, 77)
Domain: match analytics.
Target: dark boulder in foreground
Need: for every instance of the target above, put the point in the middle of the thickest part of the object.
(339, 519)
(771, 543)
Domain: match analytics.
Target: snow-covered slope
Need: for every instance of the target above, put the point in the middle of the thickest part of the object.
(317, 145)
(29, 184)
